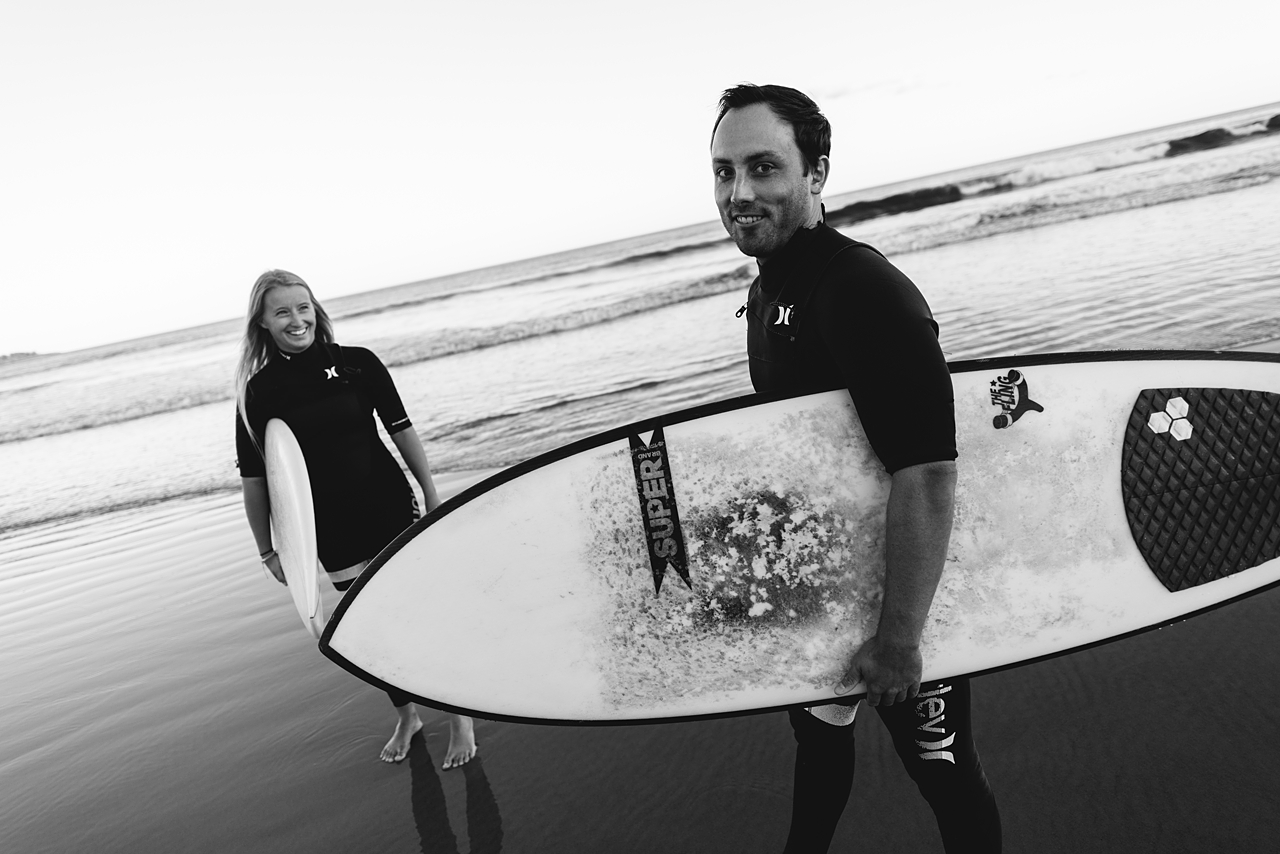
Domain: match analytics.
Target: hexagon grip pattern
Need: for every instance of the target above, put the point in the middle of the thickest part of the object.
(1200, 474)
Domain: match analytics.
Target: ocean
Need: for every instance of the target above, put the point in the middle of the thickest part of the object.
(161, 697)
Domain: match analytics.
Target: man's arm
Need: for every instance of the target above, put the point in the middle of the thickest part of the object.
(917, 533)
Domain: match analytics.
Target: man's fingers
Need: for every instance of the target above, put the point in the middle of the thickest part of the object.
(851, 677)
(889, 695)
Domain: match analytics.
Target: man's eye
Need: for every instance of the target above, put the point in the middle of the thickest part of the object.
(763, 168)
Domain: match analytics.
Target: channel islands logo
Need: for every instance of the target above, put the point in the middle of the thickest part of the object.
(1009, 392)
(1172, 420)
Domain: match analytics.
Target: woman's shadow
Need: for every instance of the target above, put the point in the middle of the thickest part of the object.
(430, 814)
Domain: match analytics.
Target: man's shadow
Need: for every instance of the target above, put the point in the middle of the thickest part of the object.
(430, 814)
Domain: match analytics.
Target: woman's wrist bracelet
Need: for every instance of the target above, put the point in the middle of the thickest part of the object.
(265, 556)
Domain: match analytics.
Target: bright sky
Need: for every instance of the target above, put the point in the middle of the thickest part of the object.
(157, 156)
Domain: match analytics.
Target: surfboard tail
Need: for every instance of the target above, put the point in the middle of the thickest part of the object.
(1201, 481)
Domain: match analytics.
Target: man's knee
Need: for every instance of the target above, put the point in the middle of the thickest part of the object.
(808, 729)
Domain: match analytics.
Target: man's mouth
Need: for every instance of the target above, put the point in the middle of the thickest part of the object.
(747, 219)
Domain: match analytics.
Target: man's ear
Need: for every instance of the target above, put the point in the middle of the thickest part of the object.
(818, 175)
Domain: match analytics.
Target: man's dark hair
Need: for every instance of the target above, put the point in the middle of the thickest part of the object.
(810, 126)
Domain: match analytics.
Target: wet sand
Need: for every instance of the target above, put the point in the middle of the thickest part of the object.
(161, 695)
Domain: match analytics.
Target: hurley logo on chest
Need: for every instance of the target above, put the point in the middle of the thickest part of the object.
(781, 314)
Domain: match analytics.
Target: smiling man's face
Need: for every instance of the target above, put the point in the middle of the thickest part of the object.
(762, 189)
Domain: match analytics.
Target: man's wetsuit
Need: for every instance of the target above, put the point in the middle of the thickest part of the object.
(830, 312)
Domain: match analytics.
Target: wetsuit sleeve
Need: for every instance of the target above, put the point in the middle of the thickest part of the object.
(247, 456)
(377, 382)
(878, 328)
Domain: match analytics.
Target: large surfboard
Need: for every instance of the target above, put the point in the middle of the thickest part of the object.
(729, 558)
(293, 522)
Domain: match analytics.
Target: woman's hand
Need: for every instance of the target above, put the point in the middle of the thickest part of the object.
(271, 563)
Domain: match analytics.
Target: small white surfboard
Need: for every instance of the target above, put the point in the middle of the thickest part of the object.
(729, 558)
(293, 522)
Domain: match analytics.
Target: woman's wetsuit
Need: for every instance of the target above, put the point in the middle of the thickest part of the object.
(327, 395)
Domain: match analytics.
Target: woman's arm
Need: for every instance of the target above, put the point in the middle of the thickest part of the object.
(257, 508)
(415, 457)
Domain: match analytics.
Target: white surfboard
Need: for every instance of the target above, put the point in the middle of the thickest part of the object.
(293, 522)
(729, 558)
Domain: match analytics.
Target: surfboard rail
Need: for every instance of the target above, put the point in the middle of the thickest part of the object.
(293, 523)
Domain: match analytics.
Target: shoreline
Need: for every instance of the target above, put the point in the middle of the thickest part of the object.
(448, 483)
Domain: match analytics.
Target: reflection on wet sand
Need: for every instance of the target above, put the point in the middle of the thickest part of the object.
(430, 813)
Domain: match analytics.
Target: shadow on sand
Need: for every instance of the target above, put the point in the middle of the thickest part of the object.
(430, 813)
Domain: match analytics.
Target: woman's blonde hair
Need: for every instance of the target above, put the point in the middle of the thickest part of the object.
(257, 348)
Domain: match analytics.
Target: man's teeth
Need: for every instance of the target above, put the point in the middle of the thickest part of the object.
(748, 219)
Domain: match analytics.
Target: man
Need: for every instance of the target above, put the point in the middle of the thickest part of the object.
(827, 311)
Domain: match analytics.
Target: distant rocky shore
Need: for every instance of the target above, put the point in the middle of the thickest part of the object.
(895, 204)
(947, 193)
(1218, 137)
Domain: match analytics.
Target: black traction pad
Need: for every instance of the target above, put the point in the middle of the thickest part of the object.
(1200, 475)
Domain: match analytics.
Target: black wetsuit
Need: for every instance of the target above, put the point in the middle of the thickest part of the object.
(327, 395)
(827, 312)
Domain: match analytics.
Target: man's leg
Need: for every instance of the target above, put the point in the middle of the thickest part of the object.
(934, 739)
(823, 780)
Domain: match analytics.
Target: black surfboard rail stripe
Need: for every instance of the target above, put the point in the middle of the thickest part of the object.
(623, 433)
(1200, 475)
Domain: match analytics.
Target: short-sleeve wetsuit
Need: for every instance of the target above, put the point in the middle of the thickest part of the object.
(828, 312)
(327, 395)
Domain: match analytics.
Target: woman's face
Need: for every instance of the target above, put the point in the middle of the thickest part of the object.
(289, 315)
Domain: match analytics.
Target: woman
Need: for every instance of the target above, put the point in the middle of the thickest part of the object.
(290, 368)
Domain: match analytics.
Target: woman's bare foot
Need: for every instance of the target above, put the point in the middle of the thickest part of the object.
(462, 742)
(408, 724)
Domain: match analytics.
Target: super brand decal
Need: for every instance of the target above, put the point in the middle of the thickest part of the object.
(1009, 392)
(663, 537)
